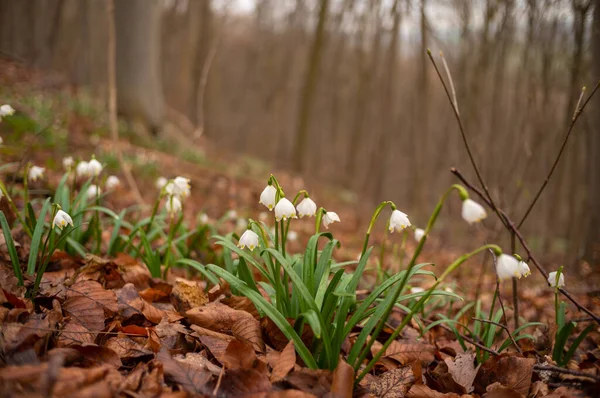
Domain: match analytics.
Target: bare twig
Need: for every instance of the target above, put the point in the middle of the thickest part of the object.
(556, 369)
(451, 81)
(513, 227)
(112, 100)
(500, 325)
(576, 115)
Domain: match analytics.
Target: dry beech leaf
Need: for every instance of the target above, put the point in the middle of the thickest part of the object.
(146, 380)
(243, 304)
(463, 370)
(284, 363)
(313, 381)
(187, 295)
(94, 355)
(135, 329)
(171, 334)
(129, 348)
(153, 343)
(216, 346)
(17, 337)
(422, 391)
(199, 331)
(393, 384)
(87, 305)
(239, 355)
(132, 271)
(221, 318)
(277, 339)
(497, 390)
(242, 382)
(342, 384)
(191, 379)
(405, 353)
(509, 370)
(196, 360)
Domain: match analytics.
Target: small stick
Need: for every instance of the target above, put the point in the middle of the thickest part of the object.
(556, 369)
(216, 390)
(500, 325)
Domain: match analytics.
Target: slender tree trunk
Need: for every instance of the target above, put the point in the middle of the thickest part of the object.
(310, 84)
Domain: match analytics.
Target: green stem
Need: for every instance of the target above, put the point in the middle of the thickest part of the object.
(318, 220)
(26, 185)
(421, 301)
(14, 207)
(169, 243)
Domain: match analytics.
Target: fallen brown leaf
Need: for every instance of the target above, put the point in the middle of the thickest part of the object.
(316, 382)
(239, 355)
(187, 295)
(393, 384)
(509, 370)
(342, 384)
(463, 370)
(243, 304)
(192, 380)
(242, 382)
(285, 362)
(128, 348)
(497, 390)
(405, 353)
(422, 391)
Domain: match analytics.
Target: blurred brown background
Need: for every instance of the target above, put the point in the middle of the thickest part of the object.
(342, 91)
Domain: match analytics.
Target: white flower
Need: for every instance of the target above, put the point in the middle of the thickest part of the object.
(94, 167)
(83, 169)
(112, 182)
(416, 289)
(1, 141)
(472, 211)
(552, 279)
(419, 232)
(93, 191)
(36, 172)
(284, 210)
(330, 217)
(203, 218)
(292, 236)
(160, 182)
(173, 205)
(307, 207)
(241, 223)
(268, 196)
(61, 219)
(248, 238)
(179, 187)
(398, 221)
(6, 110)
(68, 163)
(509, 267)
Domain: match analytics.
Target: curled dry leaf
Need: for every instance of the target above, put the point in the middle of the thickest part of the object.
(343, 380)
(187, 295)
(191, 379)
(242, 382)
(132, 271)
(221, 318)
(94, 292)
(405, 353)
(216, 346)
(129, 348)
(316, 382)
(285, 363)
(243, 304)
(239, 355)
(509, 370)
(197, 360)
(422, 391)
(393, 384)
(463, 370)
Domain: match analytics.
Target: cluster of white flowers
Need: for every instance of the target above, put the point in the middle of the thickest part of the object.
(35, 173)
(176, 191)
(6, 110)
(84, 169)
(93, 192)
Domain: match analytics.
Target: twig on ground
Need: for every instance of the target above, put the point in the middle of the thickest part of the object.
(517, 233)
(112, 101)
(500, 325)
(556, 369)
(576, 114)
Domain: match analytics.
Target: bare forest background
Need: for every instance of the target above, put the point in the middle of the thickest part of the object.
(342, 91)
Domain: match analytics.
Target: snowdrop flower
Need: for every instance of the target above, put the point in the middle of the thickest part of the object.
(419, 233)
(61, 220)
(173, 205)
(241, 223)
(68, 163)
(329, 218)
(112, 182)
(94, 167)
(203, 218)
(416, 289)
(36, 172)
(83, 169)
(1, 141)
(284, 210)
(292, 236)
(160, 182)
(93, 191)
(248, 238)
(552, 279)
(268, 197)
(508, 267)
(398, 221)
(179, 186)
(472, 211)
(307, 207)
(6, 110)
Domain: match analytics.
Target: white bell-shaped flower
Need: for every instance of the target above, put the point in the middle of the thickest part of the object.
(307, 207)
(284, 210)
(508, 266)
(112, 182)
(179, 186)
(203, 218)
(94, 167)
(173, 205)
(398, 221)
(93, 192)
(416, 289)
(329, 218)
(62, 219)
(419, 233)
(524, 269)
(249, 239)
(36, 173)
(6, 110)
(161, 182)
(68, 163)
(472, 211)
(1, 140)
(552, 279)
(268, 197)
(83, 169)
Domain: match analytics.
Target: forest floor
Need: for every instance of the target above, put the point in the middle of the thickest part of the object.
(102, 326)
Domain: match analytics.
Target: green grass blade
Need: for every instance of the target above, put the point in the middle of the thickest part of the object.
(36, 239)
(12, 250)
(200, 268)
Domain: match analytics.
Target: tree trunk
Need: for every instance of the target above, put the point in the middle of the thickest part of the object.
(592, 246)
(139, 87)
(310, 83)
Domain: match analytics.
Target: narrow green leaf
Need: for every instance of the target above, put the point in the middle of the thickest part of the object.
(12, 250)
(37, 237)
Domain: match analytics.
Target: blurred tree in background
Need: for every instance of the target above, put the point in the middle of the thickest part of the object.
(342, 91)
